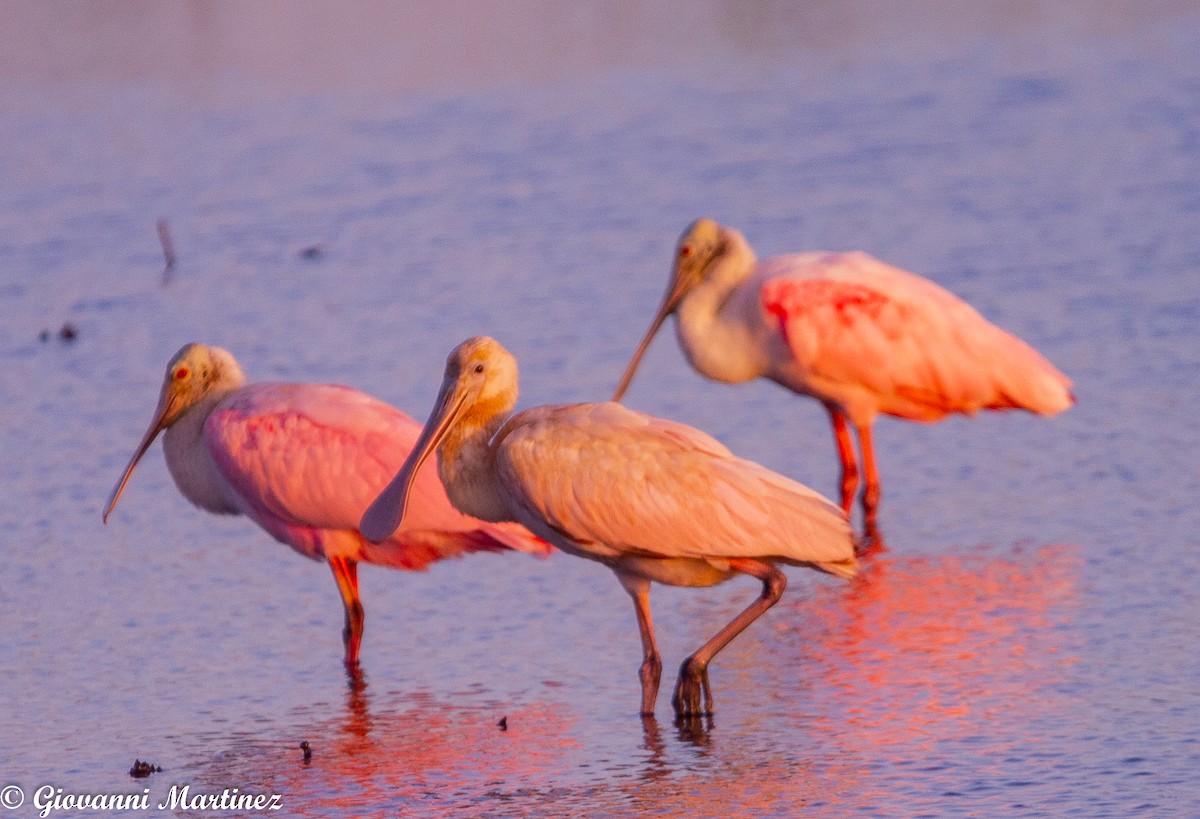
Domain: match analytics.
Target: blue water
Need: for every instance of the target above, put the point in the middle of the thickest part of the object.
(1026, 646)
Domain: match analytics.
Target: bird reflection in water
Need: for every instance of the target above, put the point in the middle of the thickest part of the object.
(693, 731)
(401, 752)
(901, 667)
(919, 641)
(916, 654)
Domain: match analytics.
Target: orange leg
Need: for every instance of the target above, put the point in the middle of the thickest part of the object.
(845, 448)
(870, 499)
(345, 572)
(650, 672)
(693, 674)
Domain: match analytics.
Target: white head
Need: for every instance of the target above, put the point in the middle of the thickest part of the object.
(194, 373)
(702, 245)
(479, 390)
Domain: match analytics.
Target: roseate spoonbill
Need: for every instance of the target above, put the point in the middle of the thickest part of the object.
(302, 461)
(649, 498)
(860, 336)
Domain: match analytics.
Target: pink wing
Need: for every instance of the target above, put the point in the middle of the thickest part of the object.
(612, 481)
(307, 459)
(880, 339)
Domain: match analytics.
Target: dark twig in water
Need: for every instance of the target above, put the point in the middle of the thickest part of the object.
(168, 249)
(304, 746)
(503, 723)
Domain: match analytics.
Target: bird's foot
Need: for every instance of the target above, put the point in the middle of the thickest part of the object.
(650, 673)
(870, 542)
(355, 679)
(691, 686)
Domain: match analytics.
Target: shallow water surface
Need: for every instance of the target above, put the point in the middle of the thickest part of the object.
(1025, 646)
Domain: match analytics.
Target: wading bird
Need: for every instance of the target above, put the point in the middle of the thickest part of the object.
(651, 499)
(860, 336)
(302, 461)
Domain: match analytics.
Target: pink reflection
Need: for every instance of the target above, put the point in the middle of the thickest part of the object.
(894, 670)
(949, 644)
(413, 750)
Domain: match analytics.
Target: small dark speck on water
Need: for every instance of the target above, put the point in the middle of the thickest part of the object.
(304, 746)
(66, 333)
(311, 252)
(503, 723)
(141, 770)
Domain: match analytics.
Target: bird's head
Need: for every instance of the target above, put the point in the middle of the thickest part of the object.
(194, 373)
(702, 244)
(478, 390)
(700, 247)
(481, 378)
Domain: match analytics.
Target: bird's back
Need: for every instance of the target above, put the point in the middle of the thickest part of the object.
(307, 459)
(876, 338)
(615, 482)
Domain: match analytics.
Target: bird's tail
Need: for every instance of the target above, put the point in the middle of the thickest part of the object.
(415, 550)
(1025, 379)
(842, 568)
(514, 536)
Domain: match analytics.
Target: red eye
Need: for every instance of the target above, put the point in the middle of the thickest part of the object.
(685, 251)
(181, 373)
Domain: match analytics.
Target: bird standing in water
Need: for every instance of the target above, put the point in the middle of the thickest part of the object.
(860, 336)
(302, 461)
(651, 499)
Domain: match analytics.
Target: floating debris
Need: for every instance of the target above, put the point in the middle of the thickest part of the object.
(312, 252)
(66, 333)
(503, 723)
(141, 770)
(304, 746)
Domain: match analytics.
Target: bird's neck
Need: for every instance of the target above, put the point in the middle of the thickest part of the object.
(188, 458)
(466, 465)
(719, 323)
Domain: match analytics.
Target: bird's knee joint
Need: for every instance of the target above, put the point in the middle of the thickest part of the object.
(692, 669)
(774, 585)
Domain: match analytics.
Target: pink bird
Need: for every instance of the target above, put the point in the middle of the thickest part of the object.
(860, 336)
(302, 461)
(651, 499)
